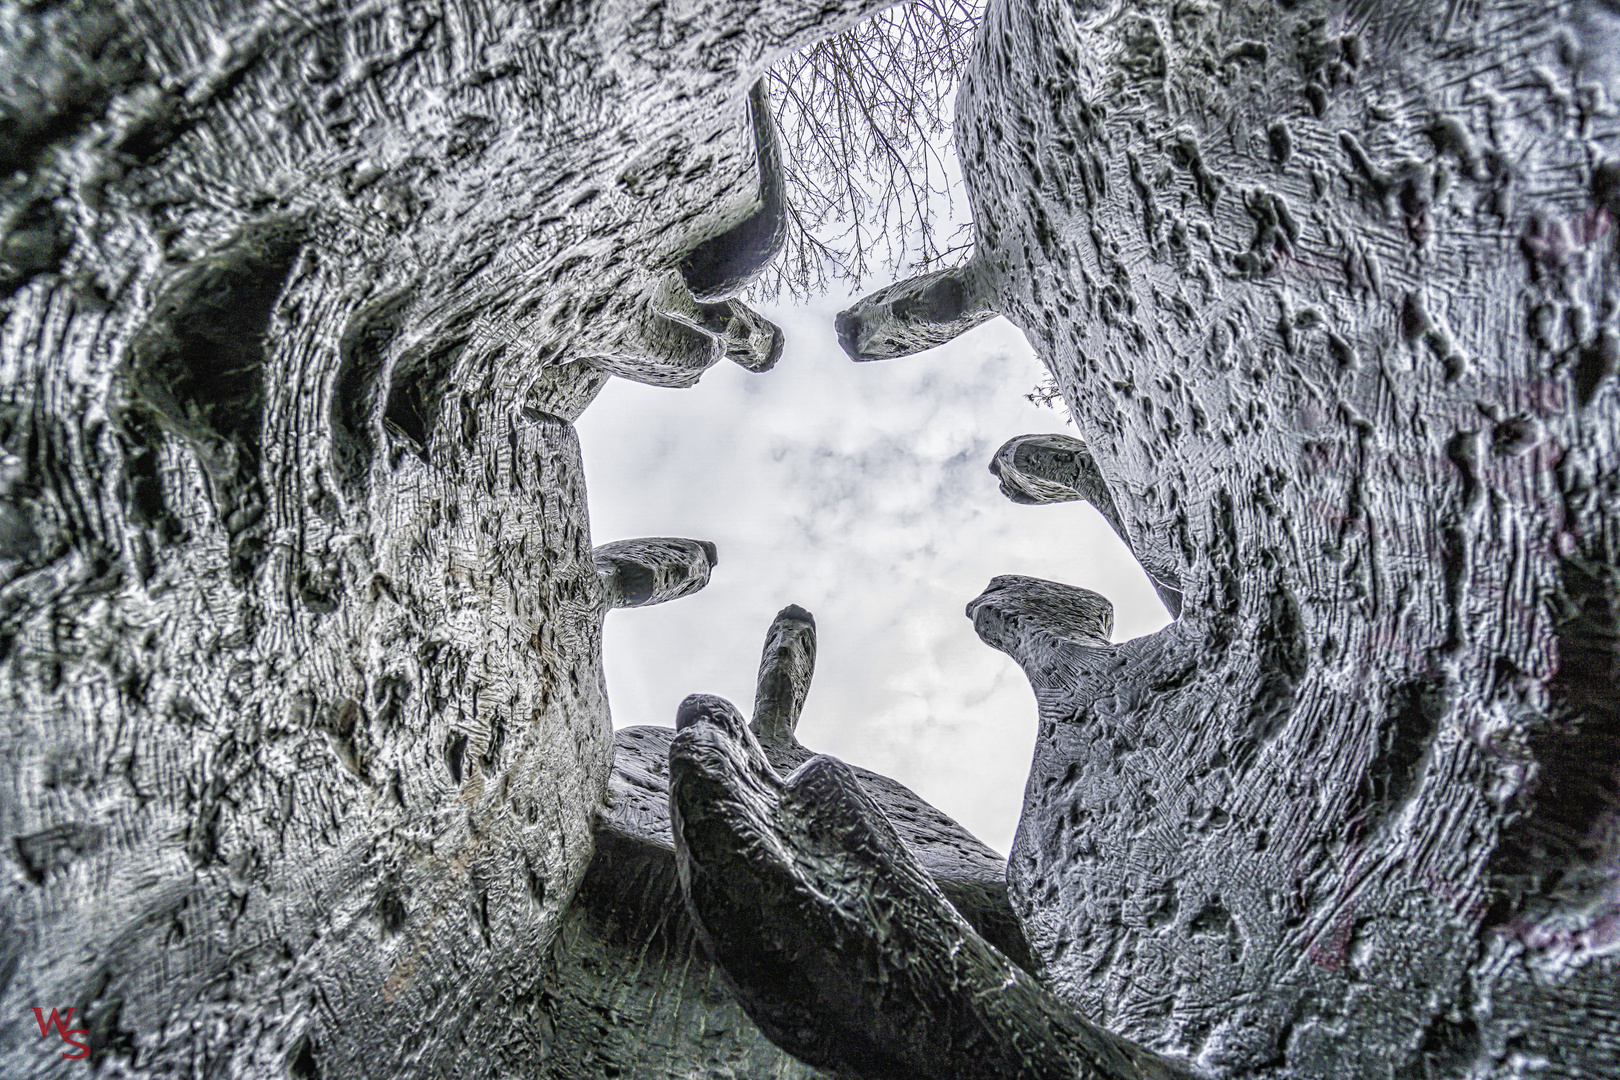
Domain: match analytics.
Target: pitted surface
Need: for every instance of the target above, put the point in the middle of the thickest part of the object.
(1330, 294)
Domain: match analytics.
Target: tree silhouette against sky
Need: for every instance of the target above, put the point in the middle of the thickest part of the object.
(864, 118)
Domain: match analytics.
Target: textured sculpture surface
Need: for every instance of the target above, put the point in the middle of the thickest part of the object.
(1330, 293)
(917, 313)
(303, 720)
(1037, 469)
(627, 948)
(653, 569)
(720, 266)
(838, 943)
(304, 723)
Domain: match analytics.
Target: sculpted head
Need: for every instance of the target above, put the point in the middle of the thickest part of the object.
(785, 670)
(752, 341)
(915, 314)
(1028, 617)
(653, 569)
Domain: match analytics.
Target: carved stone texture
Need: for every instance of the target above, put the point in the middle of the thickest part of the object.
(303, 716)
(1331, 294)
(1059, 468)
(838, 943)
(691, 321)
(653, 569)
(659, 350)
(628, 949)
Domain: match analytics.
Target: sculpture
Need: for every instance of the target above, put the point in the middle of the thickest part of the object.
(300, 619)
(722, 266)
(627, 946)
(1330, 295)
(653, 569)
(297, 590)
(693, 319)
(836, 940)
(1059, 468)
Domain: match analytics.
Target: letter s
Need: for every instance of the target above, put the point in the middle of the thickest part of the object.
(84, 1049)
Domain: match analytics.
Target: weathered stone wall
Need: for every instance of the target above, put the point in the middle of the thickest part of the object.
(303, 723)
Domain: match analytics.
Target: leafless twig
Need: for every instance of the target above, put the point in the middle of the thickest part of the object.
(864, 121)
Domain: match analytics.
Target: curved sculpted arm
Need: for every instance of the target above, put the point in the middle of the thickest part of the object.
(652, 569)
(691, 318)
(971, 875)
(918, 313)
(836, 941)
(722, 266)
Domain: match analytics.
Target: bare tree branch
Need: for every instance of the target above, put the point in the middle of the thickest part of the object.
(864, 120)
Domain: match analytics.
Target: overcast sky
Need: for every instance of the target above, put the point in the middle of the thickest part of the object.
(860, 492)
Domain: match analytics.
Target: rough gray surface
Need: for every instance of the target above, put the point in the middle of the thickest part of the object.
(629, 991)
(302, 723)
(297, 594)
(721, 266)
(1331, 295)
(838, 943)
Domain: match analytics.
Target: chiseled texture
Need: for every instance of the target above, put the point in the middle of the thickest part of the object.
(1331, 293)
(630, 992)
(302, 723)
(1048, 468)
(838, 943)
(722, 265)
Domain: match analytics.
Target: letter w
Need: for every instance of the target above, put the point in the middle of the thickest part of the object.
(55, 1021)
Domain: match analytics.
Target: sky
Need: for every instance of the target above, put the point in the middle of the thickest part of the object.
(862, 493)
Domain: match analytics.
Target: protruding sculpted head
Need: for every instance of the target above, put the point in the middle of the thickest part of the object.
(1043, 468)
(653, 569)
(1028, 618)
(752, 341)
(785, 670)
(916, 314)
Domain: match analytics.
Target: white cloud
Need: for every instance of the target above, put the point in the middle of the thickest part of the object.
(860, 492)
